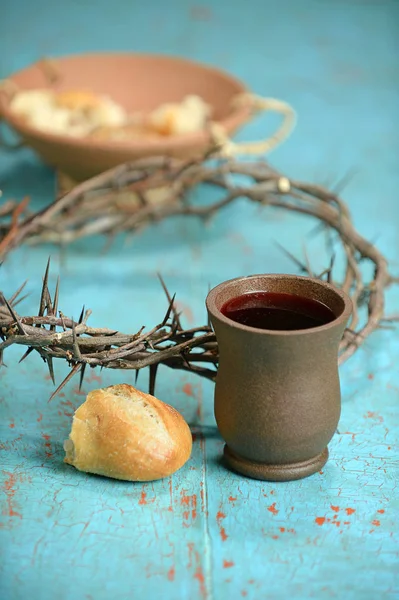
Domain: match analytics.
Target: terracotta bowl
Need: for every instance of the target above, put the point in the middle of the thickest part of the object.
(138, 82)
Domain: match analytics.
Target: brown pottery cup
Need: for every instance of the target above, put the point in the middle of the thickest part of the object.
(277, 396)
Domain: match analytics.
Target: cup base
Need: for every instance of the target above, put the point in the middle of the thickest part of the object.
(267, 472)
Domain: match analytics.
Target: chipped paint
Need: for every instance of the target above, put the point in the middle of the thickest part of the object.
(143, 498)
(188, 389)
(47, 445)
(199, 576)
(219, 518)
(374, 415)
(170, 485)
(9, 489)
(272, 508)
(227, 564)
(189, 504)
(376, 523)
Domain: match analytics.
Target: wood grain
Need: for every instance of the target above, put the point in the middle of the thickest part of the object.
(207, 533)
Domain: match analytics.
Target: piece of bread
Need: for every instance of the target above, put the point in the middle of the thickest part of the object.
(74, 113)
(122, 433)
(97, 110)
(188, 116)
(27, 101)
(77, 99)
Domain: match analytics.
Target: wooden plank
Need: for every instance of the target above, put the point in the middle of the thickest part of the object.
(207, 533)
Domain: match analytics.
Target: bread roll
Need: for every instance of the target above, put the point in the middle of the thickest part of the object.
(74, 113)
(122, 433)
(77, 99)
(24, 103)
(189, 116)
(96, 110)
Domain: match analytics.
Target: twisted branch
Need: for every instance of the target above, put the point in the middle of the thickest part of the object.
(131, 197)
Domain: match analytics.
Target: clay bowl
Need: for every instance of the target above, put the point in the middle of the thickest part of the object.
(139, 82)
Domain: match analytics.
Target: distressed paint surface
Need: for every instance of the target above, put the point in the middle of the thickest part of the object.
(206, 533)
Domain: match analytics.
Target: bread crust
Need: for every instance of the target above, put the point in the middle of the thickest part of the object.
(77, 99)
(123, 433)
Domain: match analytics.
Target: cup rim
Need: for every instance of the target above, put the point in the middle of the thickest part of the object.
(339, 320)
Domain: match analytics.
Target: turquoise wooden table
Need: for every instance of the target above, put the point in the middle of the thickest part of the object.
(206, 533)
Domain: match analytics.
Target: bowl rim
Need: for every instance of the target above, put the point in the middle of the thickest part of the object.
(216, 313)
(236, 117)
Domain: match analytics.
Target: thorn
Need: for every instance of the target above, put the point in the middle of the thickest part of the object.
(332, 262)
(153, 375)
(49, 304)
(176, 319)
(55, 306)
(13, 314)
(82, 315)
(328, 270)
(17, 293)
(82, 375)
(2, 363)
(185, 360)
(73, 371)
(319, 228)
(29, 351)
(44, 290)
(308, 267)
(344, 181)
(20, 300)
(300, 264)
(136, 376)
(389, 319)
(87, 315)
(165, 289)
(170, 308)
(330, 240)
(56, 296)
(49, 360)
